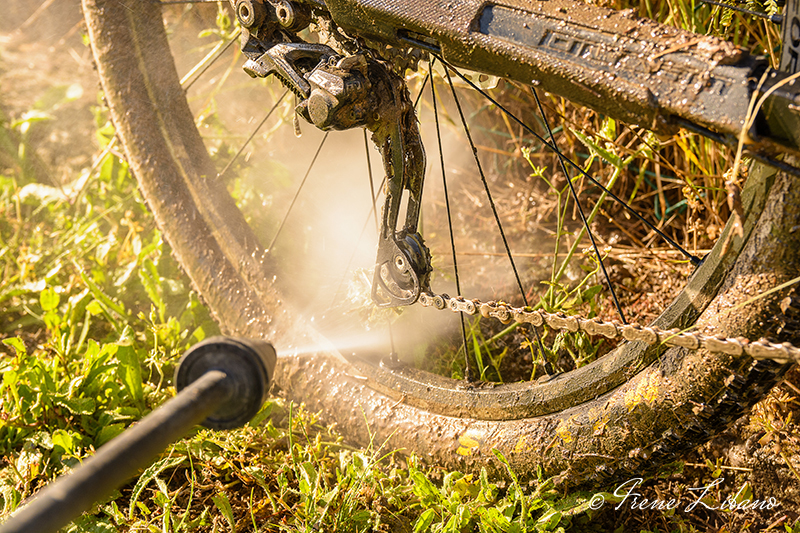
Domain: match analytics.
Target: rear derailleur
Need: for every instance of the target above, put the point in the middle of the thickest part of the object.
(347, 91)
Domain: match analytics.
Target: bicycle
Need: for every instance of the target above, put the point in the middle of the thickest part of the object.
(629, 411)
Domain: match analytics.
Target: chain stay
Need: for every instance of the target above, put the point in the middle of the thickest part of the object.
(651, 335)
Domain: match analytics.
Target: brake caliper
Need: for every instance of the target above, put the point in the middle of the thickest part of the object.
(342, 92)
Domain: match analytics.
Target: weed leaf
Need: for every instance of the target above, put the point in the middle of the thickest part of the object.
(130, 372)
(224, 505)
(150, 474)
(77, 406)
(17, 344)
(49, 299)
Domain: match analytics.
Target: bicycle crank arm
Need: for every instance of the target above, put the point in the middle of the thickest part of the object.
(629, 68)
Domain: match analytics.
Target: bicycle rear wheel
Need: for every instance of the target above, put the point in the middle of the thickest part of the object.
(628, 412)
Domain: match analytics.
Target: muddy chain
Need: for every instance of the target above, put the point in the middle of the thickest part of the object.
(505, 313)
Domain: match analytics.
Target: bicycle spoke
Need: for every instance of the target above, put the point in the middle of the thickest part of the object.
(200, 68)
(35, 16)
(252, 135)
(716, 137)
(486, 188)
(694, 260)
(574, 194)
(422, 89)
(297, 194)
(373, 213)
(373, 196)
(468, 367)
(491, 202)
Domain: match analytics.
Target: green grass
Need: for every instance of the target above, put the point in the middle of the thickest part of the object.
(94, 314)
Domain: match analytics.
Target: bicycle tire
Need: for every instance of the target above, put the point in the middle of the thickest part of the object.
(633, 410)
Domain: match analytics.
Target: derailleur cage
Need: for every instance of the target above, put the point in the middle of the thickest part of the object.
(402, 270)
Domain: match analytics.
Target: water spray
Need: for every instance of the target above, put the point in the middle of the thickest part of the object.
(222, 383)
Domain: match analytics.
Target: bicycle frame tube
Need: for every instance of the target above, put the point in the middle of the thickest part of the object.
(629, 68)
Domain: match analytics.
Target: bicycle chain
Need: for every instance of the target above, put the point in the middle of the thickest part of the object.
(651, 335)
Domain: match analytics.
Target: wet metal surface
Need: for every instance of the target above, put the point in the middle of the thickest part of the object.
(629, 68)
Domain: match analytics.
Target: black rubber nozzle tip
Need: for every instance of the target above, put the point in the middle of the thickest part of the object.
(248, 364)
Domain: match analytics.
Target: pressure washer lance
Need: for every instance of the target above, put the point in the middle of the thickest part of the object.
(221, 382)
